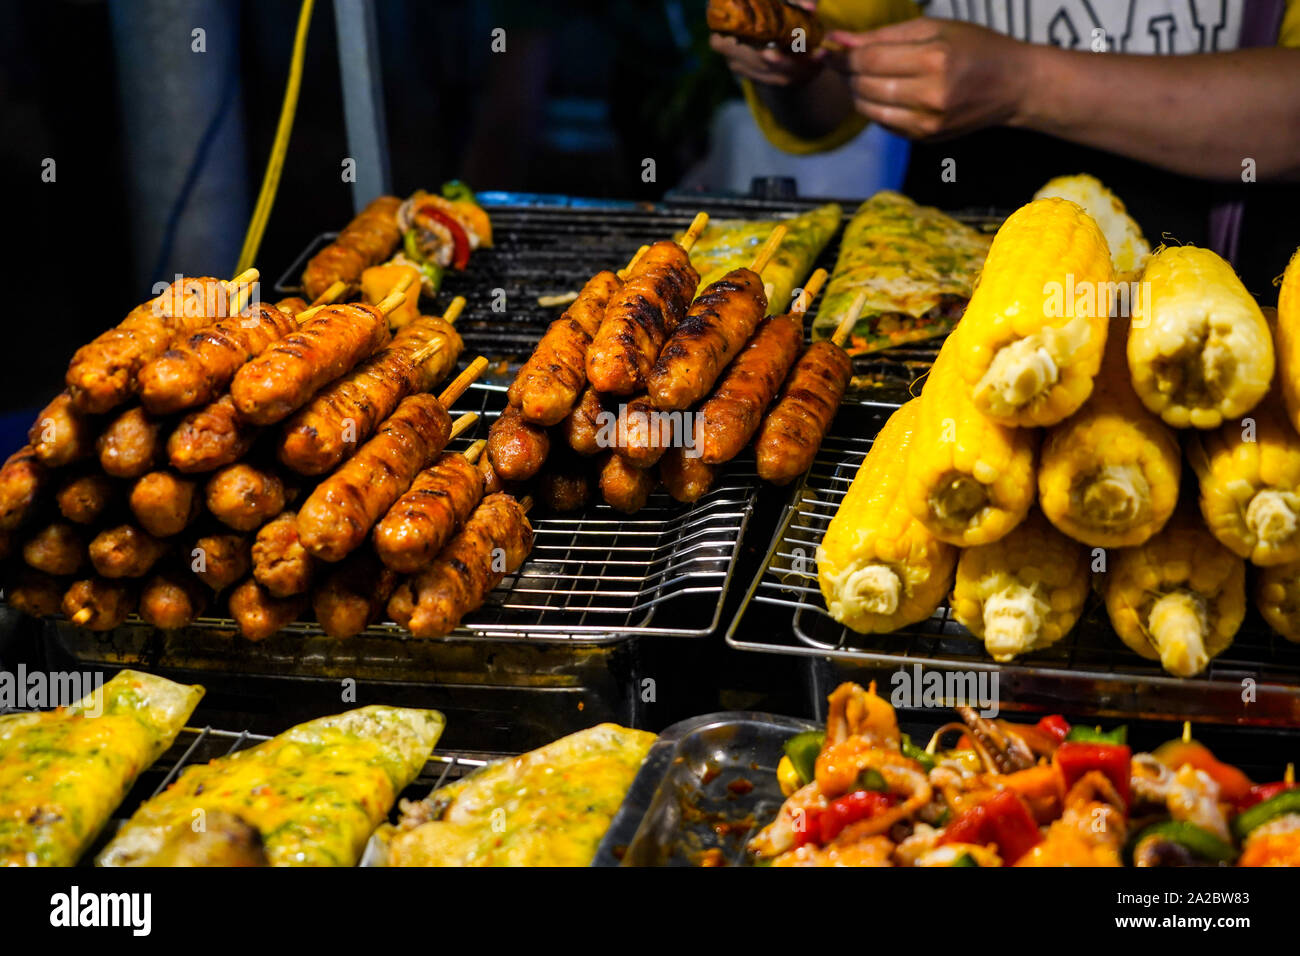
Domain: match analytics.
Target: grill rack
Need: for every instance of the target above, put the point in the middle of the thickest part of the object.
(1091, 671)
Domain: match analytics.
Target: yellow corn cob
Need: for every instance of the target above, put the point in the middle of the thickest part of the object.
(1199, 349)
(1024, 591)
(879, 568)
(1035, 328)
(1277, 595)
(1128, 247)
(1179, 598)
(1288, 338)
(1109, 474)
(969, 480)
(1249, 472)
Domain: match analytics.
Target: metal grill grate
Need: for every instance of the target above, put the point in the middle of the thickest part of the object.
(1257, 680)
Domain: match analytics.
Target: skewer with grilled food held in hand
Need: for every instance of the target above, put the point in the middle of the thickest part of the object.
(793, 430)
(329, 342)
(643, 314)
(199, 369)
(102, 373)
(760, 22)
(494, 542)
(720, 321)
(437, 504)
(342, 415)
(336, 518)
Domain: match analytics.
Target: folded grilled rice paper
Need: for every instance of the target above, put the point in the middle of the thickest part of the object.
(313, 795)
(917, 266)
(732, 243)
(64, 772)
(550, 807)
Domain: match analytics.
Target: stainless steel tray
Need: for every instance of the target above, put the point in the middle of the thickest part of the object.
(1256, 681)
(705, 788)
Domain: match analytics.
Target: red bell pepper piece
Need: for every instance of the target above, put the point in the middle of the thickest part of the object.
(1074, 759)
(822, 825)
(1003, 819)
(1055, 725)
(1263, 791)
(459, 240)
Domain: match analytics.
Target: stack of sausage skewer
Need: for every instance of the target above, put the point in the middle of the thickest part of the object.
(203, 448)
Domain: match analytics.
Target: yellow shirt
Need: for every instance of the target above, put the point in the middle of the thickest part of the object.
(1169, 28)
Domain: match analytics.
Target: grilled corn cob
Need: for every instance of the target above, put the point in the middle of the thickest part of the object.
(1199, 349)
(1277, 595)
(1288, 338)
(1024, 591)
(969, 480)
(878, 567)
(1035, 329)
(1129, 249)
(1109, 473)
(1250, 483)
(1179, 598)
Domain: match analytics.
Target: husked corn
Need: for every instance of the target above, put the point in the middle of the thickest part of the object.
(1035, 329)
(1199, 348)
(1277, 595)
(1024, 591)
(1129, 249)
(969, 479)
(878, 567)
(1179, 598)
(1109, 474)
(1288, 338)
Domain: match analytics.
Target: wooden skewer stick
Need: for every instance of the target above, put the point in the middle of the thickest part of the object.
(247, 277)
(769, 248)
(473, 451)
(809, 293)
(626, 271)
(430, 349)
(463, 424)
(845, 328)
(82, 616)
(332, 294)
(454, 310)
(387, 306)
(461, 382)
(564, 298)
(525, 503)
(693, 233)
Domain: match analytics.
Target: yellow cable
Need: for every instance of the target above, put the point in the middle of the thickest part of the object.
(271, 181)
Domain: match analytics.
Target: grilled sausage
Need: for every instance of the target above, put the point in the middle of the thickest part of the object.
(36, 594)
(293, 305)
(624, 487)
(336, 422)
(353, 595)
(793, 431)
(517, 447)
(338, 515)
(731, 416)
(244, 497)
(22, 479)
(125, 551)
(102, 374)
(641, 434)
(131, 445)
(210, 437)
(687, 477)
(760, 22)
(582, 429)
(367, 240)
(165, 503)
(57, 549)
(259, 614)
(61, 434)
(172, 599)
(99, 605)
(639, 318)
(280, 563)
(494, 542)
(719, 323)
(285, 376)
(219, 560)
(565, 485)
(423, 520)
(197, 370)
(83, 499)
(491, 480)
(551, 380)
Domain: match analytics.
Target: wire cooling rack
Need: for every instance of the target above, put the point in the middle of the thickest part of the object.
(1257, 680)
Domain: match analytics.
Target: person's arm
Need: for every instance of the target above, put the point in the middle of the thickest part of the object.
(1200, 115)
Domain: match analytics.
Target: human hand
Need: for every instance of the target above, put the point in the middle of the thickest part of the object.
(770, 66)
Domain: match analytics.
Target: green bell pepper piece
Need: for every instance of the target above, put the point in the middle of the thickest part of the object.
(917, 753)
(964, 860)
(1288, 801)
(1197, 839)
(871, 779)
(457, 191)
(1095, 735)
(802, 749)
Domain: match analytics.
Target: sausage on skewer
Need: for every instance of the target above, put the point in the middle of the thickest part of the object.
(565, 485)
(721, 320)
(125, 551)
(424, 519)
(210, 437)
(219, 560)
(165, 503)
(640, 434)
(36, 594)
(367, 240)
(131, 445)
(83, 499)
(624, 487)
(61, 433)
(244, 496)
(794, 428)
(516, 447)
(582, 427)
(98, 604)
(353, 595)
(686, 477)
(57, 549)
(280, 563)
(259, 614)
(172, 599)
(22, 478)
(494, 542)
(760, 22)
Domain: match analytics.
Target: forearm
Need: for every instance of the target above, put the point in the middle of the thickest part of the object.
(1199, 115)
(809, 110)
